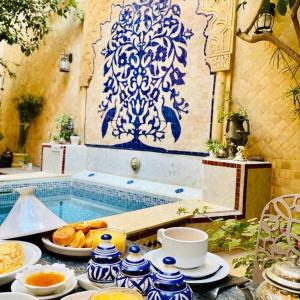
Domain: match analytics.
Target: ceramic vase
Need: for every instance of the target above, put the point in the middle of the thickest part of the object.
(169, 283)
(104, 263)
(135, 272)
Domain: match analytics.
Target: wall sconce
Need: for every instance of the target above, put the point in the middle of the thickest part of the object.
(65, 61)
(265, 20)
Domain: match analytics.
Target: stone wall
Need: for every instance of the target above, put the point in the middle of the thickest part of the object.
(39, 75)
(253, 81)
(259, 86)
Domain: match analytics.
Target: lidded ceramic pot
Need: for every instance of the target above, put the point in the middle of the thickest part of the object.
(135, 272)
(169, 283)
(282, 282)
(104, 263)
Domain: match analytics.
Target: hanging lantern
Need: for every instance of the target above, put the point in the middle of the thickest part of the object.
(65, 62)
(265, 20)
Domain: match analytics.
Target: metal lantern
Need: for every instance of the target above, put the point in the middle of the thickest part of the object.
(265, 20)
(65, 61)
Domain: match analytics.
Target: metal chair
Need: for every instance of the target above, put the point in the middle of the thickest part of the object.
(276, 239)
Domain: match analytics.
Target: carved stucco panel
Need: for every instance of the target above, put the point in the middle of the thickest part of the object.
(221, 32)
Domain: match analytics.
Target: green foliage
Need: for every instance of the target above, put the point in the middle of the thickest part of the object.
(282, 6)
(26, 160)
(28, 106)
(65, 127)
(26, 22)
(227, 235)
(247, 262)
(213, 146)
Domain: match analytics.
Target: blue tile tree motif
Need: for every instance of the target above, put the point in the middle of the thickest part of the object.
(145, 62)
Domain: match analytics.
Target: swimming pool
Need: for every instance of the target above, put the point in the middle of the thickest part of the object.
(75, 200)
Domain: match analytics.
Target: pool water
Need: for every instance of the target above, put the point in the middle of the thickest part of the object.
(72, 209)
(75, 201)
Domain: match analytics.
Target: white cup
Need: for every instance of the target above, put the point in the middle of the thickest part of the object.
(187, 245)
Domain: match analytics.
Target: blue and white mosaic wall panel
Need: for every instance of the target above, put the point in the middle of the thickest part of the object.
(151, 88)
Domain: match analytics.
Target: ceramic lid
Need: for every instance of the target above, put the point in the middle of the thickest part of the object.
(106, 252)
(28, 216)
(286, 273)
(169, 276)
(134, 263)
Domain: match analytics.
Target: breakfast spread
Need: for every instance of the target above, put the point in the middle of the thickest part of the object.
(78, 235)
(11, 257)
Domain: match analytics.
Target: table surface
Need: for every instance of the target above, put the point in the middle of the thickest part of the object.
(78, 265)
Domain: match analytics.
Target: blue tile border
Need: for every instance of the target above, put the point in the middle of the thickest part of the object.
(94, 192)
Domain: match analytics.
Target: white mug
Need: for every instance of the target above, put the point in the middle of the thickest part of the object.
(187, 245)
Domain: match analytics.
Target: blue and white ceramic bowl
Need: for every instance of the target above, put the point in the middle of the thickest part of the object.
(169, 283)
(135, 272)
(104, 263)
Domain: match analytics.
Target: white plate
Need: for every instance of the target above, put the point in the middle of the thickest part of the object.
(17, 286)
(67, 251)
(16, 296)
(221, 274)
(86, 284)
(32, 255)
(265, 276)
(209, 267)
(80, 296)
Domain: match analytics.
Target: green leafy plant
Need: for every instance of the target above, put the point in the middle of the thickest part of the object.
(65, 127)
(26, 160)
(213, 146)
(25, 23)
(29, 107)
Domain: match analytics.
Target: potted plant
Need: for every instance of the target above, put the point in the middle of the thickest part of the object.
(65, 127)
(27, 164)
(75, 139)
(215, 149)
(29, 107)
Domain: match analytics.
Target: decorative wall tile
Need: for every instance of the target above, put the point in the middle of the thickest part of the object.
(151, 88)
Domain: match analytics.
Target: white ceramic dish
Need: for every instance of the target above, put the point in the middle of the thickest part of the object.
(16, 296)
(35, 216)
(18, 287)
(45, 290)
(80, 296)
(86, 284)
(269, 280)
(209, 267)
(67, 251)
(32, 254)
(155, 256)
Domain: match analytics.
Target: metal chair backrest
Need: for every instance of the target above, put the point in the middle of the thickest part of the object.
(279, 233)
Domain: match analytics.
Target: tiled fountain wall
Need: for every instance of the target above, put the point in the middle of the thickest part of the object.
(151, 88)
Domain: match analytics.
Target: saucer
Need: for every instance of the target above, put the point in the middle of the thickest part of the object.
(86, 284)
(215, 266)
(17, 286)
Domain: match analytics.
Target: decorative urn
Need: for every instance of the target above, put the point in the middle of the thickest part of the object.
(104, 263)
(135, 272)
(236, 133)
(169, 283)
(282, 282)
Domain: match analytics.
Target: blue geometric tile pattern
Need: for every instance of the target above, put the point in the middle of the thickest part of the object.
(145, 61)
(77, 200)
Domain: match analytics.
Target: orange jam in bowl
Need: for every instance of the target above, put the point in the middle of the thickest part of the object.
(44, 279)
(117, 294)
